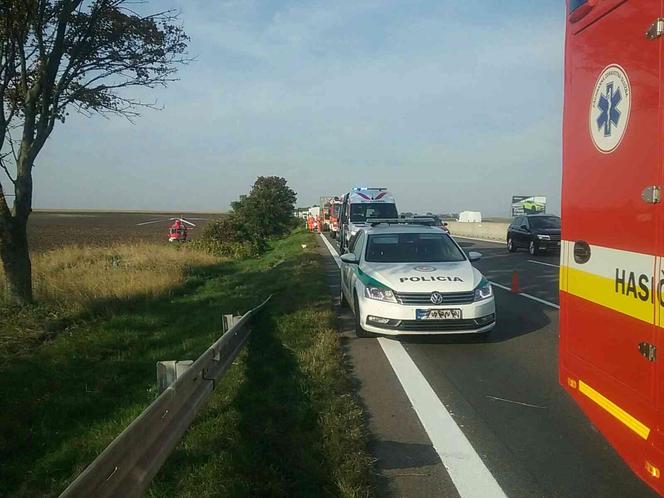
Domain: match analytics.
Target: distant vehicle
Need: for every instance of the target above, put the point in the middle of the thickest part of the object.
(401, 277)
(362, 203)
(335, 210)
(179, 229)
(536, 232)
(470, 217)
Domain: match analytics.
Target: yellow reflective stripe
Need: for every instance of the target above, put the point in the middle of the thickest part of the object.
(601, 290)
(635, 425)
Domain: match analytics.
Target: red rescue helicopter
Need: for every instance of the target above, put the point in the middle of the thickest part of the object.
(178, 231)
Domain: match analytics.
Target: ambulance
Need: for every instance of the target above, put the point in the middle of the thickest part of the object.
(612, 269)
(360, 204)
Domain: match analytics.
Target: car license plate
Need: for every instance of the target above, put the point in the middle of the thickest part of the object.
(447, 314)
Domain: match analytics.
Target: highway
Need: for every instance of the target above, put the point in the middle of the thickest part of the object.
(502, 393)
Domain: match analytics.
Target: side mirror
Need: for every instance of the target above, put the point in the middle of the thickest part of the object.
(445, 224)
(350, 258)
(472, 256)
(524, 227)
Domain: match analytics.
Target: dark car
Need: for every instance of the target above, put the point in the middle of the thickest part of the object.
(537, 232)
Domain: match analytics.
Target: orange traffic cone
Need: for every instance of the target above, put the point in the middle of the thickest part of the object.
(515, 282)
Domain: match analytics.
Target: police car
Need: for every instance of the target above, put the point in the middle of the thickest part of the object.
(408, 277)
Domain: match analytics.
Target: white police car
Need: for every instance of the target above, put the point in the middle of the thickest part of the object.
(404, 277)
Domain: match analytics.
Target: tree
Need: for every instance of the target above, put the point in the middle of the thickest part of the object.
(268, 209)
(57, 55)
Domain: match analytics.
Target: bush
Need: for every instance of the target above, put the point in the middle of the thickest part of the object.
(229, 237)
(265, 213)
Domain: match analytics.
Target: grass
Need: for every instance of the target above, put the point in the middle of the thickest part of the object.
(79, 282)
(77, 276)
(282, 422)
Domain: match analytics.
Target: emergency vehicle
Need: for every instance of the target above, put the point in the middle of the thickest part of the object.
(612, 269)
(335, 209)
(178, 231)
(405, 277)
(362, 203)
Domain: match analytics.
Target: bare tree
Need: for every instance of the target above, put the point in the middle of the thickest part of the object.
(58, 55)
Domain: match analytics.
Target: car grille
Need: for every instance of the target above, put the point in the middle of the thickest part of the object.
(425, 298)
(438, 325)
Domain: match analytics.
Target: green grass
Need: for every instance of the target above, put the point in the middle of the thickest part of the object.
(282, 422)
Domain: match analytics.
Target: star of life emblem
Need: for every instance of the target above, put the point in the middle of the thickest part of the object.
(609, 109)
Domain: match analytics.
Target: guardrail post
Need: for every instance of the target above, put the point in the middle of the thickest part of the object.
(169, 371)
(228, 321)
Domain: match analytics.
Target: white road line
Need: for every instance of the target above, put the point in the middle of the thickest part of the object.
(470, 476)
(332, 250)
(543, 263)
(528, 296)
(465, 467)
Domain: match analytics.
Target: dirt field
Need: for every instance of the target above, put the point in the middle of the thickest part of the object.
(52, 229)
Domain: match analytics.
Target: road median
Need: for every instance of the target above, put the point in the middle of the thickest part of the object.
(490, 231)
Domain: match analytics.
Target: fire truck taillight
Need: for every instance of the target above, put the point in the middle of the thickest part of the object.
(652, 470)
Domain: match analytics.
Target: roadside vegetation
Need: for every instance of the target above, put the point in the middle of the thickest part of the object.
(74, 284)
(282, 422)
(265, 213)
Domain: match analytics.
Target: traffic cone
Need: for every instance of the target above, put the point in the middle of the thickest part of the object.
(515, 282)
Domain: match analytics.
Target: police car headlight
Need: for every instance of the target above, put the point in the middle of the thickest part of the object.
(544, 237)
(380, 294)
(483, 291)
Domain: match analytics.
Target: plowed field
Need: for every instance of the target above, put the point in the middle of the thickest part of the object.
(53, 229)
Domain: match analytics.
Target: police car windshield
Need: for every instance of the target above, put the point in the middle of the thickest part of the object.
(544, 222)
(360, 212)
(412, 248)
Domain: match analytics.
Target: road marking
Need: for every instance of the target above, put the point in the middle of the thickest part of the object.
(466, 469)
(528, 296)
(543, 263)
(332, 250)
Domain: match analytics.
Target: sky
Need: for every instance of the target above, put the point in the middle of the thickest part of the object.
(452, 105)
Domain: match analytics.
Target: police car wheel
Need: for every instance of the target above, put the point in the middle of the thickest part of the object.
(510, 245)
(359, 331)
(532, 248)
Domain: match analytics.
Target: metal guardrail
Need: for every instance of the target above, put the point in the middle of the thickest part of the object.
(129, 463)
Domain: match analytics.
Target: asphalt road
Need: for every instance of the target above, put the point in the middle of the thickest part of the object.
(503, 393)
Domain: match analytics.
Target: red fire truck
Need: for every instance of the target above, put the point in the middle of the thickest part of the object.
(335, 209)
(612, 269)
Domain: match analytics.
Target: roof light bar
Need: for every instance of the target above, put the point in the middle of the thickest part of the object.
(401, 221)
